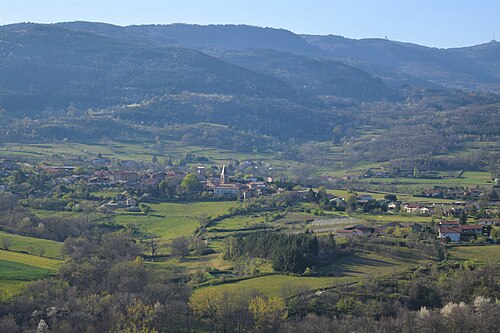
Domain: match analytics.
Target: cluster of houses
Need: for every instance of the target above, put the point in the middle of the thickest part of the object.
(223, 187)
(453, 231)
(121, 200)
(220, 186)
(453, 193)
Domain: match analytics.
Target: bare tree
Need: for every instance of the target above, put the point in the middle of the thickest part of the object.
(154, 246)
(180, 247)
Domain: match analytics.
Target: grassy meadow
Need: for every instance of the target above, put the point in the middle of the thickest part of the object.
(17, 269)
(41, 247)
(481, 254)
(169, 220)
(343, 271)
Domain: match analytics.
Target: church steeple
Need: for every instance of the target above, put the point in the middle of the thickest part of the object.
(223, 175)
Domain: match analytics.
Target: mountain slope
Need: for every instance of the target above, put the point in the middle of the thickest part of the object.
(47, 66)
(476, 67)
(311, 77)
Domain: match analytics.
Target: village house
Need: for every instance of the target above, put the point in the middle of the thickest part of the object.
(58, 170)
(486, 222)
(222, 187)
(100, 178)
(379, 230)
(416, 209)
(448, 232)
(392, 205)
(225, 188)
(124, 176)
(364, 198)
(469, 230)
(455, 231)
(130, 202)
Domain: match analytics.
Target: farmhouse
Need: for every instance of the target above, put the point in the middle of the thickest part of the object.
(416, 209)
(124, 176)
(492, 222)
(448, 232)
(455, 231)
(223, 190)
(471, 229)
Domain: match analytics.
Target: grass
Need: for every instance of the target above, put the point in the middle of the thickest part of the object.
(239, 222)
(32, 245)
(344, 270)
(469, 178)
(17, 269)
(106, 194)
(386, 218)
(170, 220)
(489, 254)
(10, 289)
(10, 270)
(29, 259)
(52, 213)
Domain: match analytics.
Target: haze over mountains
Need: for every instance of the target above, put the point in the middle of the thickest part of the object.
(475, 67)
(308, 65)
(253, 85)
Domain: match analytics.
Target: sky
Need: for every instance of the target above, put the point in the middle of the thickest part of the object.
(438, 23)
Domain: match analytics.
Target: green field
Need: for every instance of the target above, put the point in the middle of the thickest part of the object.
(44, 247)
(407, 218)
(170, 220)
(16, 269)
(10, 270)
(239, 222)
(469, 178)
(489, 254)
(29, 259)
(344, 270)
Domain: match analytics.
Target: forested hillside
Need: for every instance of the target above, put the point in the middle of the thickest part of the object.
(244, 88)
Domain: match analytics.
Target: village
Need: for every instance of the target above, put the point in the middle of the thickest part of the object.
(135, 187)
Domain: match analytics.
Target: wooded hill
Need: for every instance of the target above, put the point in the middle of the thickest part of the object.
(243, 87)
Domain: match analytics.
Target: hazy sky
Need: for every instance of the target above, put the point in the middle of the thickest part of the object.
(440, 23)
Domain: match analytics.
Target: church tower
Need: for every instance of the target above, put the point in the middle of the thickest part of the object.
(223, 175)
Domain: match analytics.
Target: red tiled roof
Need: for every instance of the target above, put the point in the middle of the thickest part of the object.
(443, 222)
(471, 227)
(450, 230)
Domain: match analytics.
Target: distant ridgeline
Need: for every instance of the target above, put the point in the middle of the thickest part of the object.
(241, 87)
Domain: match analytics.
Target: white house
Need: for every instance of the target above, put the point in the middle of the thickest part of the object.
(227, 190)
(130, 202)
(452, 233)
(416, 209)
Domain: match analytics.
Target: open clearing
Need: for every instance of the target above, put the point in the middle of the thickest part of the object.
(489, 254)
(170, 220)
(17, 269)
(344, 270)
(38, 246)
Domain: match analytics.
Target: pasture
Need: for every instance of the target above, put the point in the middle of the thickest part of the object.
(17, 269)
(38, 246)
(488, 254)
(169, 220)
(343, 271)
